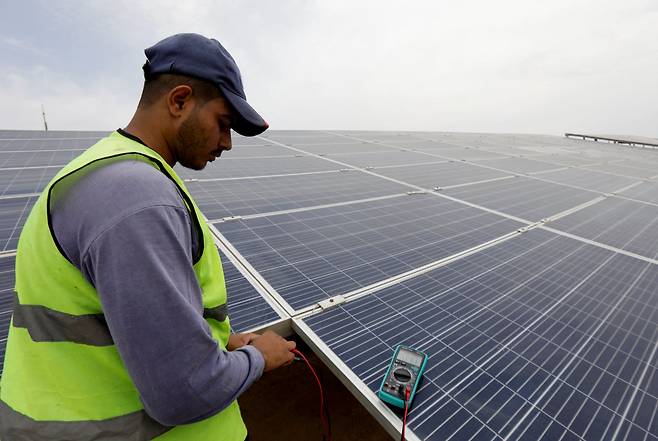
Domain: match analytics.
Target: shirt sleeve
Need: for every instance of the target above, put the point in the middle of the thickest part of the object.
(140, 263)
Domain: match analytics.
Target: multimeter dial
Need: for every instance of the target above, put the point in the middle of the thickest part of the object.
(402, 375)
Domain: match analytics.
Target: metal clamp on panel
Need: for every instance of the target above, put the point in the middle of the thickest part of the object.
(330, 303)
(410, 193)
(230, 218)
(190, 180)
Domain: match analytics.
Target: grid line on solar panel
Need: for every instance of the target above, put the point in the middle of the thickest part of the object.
(588, 180)
(526, 198)
(346, 147)
(382, 158)
(25, 181)
(247, 308)
(482, 391)
(246, 168)
(518, 165)
(645, 192)
(620, 170)
(311, 255)
(37, 158)
(481, 207)
(6, 301)
(593, 181)
(13, 215)
(219, 199)
(441, 174)
(621, 223)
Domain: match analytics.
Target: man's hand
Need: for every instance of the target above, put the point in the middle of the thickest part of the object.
(275, 350)
(236, 341)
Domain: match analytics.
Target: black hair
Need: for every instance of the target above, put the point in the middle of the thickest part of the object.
(158, 85)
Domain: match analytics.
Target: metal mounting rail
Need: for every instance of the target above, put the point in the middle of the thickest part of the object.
(378, 286)
(310, 208)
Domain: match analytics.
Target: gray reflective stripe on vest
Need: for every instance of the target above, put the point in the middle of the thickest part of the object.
(218, 313)
(135, 426)
(45, 324)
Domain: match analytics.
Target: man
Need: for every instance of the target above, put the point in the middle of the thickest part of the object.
(120, 330)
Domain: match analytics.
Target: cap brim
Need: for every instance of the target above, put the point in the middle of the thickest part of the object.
(247, 121)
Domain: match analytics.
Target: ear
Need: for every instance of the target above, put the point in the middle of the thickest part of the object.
(180, 101)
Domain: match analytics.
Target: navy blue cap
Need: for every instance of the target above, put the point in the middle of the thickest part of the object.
(205, 58)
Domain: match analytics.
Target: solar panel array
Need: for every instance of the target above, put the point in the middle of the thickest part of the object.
(526, 266)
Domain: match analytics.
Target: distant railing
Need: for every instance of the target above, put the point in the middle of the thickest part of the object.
(630, 142)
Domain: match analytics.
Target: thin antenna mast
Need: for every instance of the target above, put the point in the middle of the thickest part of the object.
(43, 113)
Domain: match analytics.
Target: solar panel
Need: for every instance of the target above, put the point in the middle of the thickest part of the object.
(383, 158)
(540, 337)
(341, 146)
(6, 301)
(36, 158)
(25, 180)
(519, 165)
(619, 169)
(441, 174)
(222, 198)
(311, 255)
(589, 180)
(471, 154)
(522, 197)
(628, 225)
(646, 191)
(550, 335)
(247, 307)
(13, 214)
(259, 151)
(239, 168)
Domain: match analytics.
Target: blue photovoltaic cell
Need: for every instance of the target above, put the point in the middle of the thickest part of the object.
(538, 338)
(311, 255)
(519, 165)
(629, 225)
(344, 146)
(247, 308)
(6, 301)
(526, 198)
(621, 169)
(218, 199)
(25, 181)
(589, 180)
(27, 135)
(465, 153)
(646, 191)
(37, 158)
(256, 151)
(236, 168)
(386, 157)
(440, 175)
(13, 214)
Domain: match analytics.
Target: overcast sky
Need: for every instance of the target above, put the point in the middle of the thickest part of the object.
(481, 66)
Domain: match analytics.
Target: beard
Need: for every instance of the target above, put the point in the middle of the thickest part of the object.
(190, 144)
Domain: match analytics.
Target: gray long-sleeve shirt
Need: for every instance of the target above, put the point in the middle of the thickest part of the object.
(125, 226)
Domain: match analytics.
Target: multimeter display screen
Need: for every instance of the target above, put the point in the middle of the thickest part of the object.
(410, 357)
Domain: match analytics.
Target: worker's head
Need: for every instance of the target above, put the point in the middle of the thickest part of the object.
(193, 116)
(193, 86)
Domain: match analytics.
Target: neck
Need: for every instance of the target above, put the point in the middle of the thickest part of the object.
(146, 128)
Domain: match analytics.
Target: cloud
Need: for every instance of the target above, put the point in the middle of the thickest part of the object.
(504, 66)
(68, 105)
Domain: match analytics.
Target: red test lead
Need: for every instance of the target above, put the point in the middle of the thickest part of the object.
(326, 429)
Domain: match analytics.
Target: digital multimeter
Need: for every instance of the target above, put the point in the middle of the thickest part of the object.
(404, 372)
